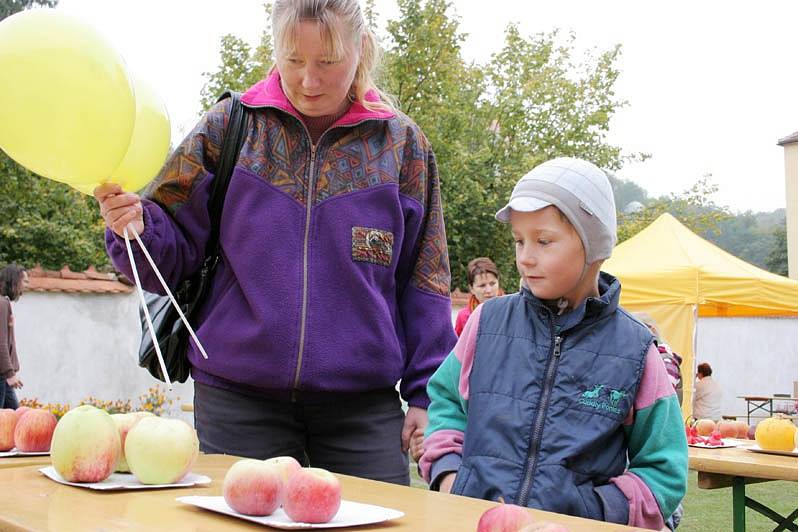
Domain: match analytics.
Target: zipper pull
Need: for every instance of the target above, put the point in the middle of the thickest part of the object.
(557, 342)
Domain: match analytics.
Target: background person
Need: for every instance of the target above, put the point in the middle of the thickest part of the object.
(483, 283)
(708, 395)
(334, 277)
(673, 362)
(13, 281)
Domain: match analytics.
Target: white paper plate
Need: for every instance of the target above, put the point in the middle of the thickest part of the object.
(758, 449)
(125, 481)
(349, 514)
(724, 445)
(15, 452)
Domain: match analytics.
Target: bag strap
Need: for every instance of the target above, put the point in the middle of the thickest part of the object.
(231, 146)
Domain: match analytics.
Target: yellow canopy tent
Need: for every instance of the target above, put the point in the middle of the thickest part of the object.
(676, 276)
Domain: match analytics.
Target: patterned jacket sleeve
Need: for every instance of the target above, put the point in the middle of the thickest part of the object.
(424, 299)
(176, 221)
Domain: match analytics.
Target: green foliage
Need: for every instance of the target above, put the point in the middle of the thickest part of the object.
(240, 67)
(777, 258)
(625, 191)
(744, 237)
(9, 7)
(47, 222)
(490, 124)
(693, 207)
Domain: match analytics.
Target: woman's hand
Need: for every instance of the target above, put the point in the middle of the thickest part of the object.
(415, 420)
(14, 382)
(119, 208)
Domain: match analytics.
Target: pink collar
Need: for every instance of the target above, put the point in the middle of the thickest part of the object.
(269, 93)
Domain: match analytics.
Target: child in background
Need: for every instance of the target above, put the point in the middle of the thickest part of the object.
(483, 283)
(556, 398)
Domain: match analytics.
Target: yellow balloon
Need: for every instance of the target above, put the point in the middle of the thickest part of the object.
(68, 106)
(149, 144)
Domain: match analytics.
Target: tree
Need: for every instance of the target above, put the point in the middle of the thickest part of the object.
(9, 7)
(240, 67)
(776, 261)
(43, 221)
(490, 124)
(694, 208)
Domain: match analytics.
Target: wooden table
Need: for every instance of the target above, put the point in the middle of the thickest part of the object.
(24, 461)
(764, 403)
(31, 501)
(736, 467)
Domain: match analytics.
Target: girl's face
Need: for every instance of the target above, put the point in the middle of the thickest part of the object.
(485, 286)
(316, 83)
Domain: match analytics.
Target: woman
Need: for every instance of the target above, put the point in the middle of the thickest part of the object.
(483, 283)
(13, 281)
(334, 278)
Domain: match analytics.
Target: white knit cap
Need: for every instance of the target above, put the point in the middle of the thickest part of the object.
(581, 191)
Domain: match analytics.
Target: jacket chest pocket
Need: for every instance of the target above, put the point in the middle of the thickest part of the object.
(372, 245)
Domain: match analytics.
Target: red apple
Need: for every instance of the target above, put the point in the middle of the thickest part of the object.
(504, 518)
(727, 429)
(285, 465)
(253, 487)
(85, 445)
(8, 421)
(312, 495)
(21, 410)
(34, 431)
(742, 429)
(705, 427)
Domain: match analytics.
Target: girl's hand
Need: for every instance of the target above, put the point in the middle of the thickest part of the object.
(119, 208)
(446, 483)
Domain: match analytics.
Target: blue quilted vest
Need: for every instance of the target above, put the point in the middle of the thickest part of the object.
(548, 396)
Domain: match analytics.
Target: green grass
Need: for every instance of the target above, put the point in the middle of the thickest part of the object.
(711, 510)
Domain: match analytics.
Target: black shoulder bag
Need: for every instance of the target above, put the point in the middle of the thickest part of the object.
(173, 337)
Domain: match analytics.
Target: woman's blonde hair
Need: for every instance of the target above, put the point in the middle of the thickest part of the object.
(286, 16)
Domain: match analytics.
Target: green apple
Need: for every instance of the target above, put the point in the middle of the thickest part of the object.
(160, 450)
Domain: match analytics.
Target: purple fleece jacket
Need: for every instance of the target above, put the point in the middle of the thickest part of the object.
(334, 276)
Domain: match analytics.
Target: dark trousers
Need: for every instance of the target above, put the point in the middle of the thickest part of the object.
(358, 435)
(8, 397)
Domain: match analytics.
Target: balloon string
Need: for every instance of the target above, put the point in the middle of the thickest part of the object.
(146, 310)
(165, 287)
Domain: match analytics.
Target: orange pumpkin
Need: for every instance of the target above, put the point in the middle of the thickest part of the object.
(776, 434)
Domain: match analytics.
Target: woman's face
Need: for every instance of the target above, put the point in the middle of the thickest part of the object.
(24, 282)
(485, 286)
(315, 83)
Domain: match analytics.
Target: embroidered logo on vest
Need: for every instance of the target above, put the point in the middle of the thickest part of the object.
(607, 401)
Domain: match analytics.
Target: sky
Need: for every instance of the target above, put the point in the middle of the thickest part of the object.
(710, 85)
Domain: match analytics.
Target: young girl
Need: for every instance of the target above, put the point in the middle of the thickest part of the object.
(556, 398)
